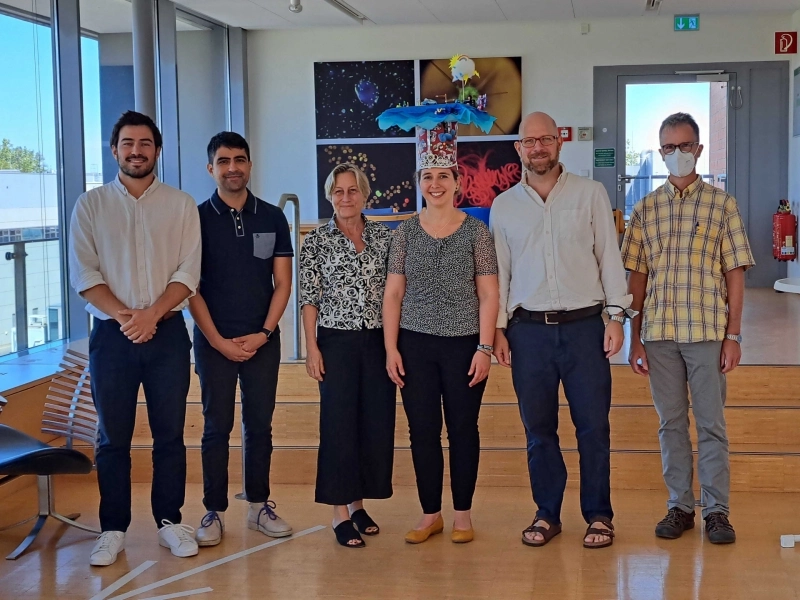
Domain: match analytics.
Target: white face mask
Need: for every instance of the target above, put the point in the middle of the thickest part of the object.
(680, 164)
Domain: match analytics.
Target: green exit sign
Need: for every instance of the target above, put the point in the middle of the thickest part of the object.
(687, 22)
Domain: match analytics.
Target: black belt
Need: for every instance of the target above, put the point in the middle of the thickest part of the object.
(557, 317)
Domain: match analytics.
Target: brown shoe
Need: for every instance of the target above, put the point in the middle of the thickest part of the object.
(674, 524)
(548, 533)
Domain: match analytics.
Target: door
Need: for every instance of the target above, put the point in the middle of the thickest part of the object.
(743, 128)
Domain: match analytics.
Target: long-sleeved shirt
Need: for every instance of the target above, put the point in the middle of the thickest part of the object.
(562, 254)
(136, 247)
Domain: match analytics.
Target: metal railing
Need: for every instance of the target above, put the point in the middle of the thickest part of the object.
(297, 321)
(16, 251)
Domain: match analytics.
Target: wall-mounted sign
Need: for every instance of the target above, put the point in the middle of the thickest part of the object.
(687, 22)
(605, 158)
(785, 42)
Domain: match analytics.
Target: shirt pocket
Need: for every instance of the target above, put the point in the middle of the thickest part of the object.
(263, 245)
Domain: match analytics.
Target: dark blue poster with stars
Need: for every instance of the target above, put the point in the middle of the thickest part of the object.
(349, 96)
(389, 169)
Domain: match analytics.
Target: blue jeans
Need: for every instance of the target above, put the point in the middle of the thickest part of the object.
(118, 368)
(571, 353)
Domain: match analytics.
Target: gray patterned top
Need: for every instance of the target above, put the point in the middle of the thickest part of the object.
(441, 296)
(346, 286)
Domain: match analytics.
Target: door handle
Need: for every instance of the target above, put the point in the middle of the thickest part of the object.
(625, 178)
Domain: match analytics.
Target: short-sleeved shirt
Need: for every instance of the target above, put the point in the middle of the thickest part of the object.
(441, 295)
(346, 286)
(239, 249)
(686, 243)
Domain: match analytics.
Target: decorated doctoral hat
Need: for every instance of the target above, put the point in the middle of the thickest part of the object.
(437, 128)
(437, 124)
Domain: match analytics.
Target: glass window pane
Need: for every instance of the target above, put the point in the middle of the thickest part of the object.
(647, 105)
(30, 251)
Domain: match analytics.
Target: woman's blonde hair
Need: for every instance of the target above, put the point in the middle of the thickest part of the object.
(361, 179)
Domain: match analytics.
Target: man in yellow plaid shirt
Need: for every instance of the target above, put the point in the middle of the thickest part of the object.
(686, 249)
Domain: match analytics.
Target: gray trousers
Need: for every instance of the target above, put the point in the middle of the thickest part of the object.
(672, 367)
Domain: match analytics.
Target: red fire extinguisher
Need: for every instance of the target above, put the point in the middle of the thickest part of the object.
(784, 233)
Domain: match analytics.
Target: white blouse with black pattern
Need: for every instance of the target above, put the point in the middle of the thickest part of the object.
(346, 286)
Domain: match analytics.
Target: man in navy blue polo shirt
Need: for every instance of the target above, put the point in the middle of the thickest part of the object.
(245, 282)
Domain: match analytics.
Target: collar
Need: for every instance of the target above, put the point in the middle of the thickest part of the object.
(672, 191)
(562, 177)
(332, 227)
(250, 205)
(121, 187)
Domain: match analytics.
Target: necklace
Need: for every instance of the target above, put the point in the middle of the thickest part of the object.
(440, 229)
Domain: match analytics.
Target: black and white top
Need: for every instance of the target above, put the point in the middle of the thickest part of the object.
(441, 296)
(346, 286)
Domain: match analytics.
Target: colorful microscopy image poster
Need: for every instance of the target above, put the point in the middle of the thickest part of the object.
(487, 169)
(349, 96)
(500, 79)
(388, 167)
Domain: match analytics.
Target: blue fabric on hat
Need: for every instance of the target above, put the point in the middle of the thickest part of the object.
(428, 116)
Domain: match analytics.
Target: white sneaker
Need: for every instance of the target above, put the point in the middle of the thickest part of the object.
(178, 538)
(211, 528)
(262, 517)
(109, 544)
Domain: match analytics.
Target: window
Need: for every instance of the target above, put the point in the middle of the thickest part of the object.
(31, 291)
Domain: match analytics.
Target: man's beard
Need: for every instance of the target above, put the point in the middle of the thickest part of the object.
(136, 174)
(541, 170)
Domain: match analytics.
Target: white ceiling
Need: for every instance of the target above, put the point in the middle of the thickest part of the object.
(108, 16)
(275, 14)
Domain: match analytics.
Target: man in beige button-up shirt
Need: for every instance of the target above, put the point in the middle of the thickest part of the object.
(134, 256)
(559, 269)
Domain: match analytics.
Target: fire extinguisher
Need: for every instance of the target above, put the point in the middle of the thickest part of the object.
(784, 233)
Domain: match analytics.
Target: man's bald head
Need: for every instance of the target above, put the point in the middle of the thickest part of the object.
(540, 122)
(539, 157)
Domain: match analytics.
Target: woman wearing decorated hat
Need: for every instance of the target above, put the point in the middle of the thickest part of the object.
(439, 312)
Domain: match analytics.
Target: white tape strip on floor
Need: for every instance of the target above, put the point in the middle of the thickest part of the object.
(181, 594)
(123, 580)
(211, 565)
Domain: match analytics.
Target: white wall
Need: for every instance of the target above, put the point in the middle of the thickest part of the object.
(557, 64)
(794, 149)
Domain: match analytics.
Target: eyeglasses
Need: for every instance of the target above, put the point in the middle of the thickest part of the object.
(685, 147)
(546, 140)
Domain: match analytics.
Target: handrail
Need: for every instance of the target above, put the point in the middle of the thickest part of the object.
(286, 198)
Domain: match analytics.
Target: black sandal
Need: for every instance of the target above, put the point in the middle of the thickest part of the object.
(547, 534)
(363, 522)
(346, 532)
(609, 533)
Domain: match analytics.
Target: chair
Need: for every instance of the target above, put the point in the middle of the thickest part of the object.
(619, 220)
(70, 413)
(479, 212)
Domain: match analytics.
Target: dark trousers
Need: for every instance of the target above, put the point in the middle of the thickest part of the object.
(572, 353)
(436, 374)
(258, 382)
(356, 420)
(118, 368)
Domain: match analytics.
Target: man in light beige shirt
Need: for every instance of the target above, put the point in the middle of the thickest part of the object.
(134, 256)
(559, 270)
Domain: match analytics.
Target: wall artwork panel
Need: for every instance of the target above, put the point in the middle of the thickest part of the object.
(389, 168)
(349, 96)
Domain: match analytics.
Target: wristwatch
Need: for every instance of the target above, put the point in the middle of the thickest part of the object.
(267, 332)
(485, 348)
(618, 318)
(735, 338)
